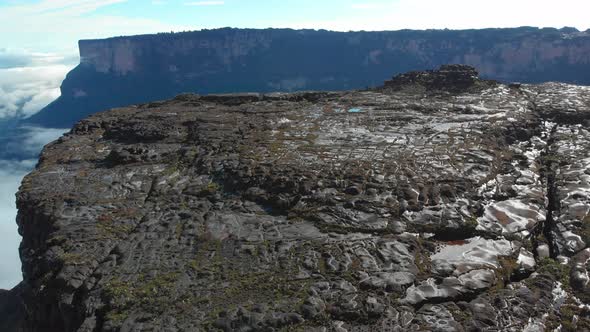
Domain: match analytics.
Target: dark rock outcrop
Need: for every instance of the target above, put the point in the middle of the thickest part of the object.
(120, 71)
(449, 78)
(346, 211)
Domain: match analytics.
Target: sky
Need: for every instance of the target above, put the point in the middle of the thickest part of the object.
(38, 46)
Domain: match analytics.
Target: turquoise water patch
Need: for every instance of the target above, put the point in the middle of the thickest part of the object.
(354, 110)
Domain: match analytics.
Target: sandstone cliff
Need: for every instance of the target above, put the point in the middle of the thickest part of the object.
(396, 209)
(124, 70)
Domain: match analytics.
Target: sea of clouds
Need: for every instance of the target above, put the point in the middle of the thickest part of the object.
(28, 82)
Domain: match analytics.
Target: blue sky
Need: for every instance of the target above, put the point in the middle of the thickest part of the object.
(261, 13)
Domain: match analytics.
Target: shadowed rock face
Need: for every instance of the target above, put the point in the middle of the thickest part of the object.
(348, 211)
(12, 312)
(126, 70)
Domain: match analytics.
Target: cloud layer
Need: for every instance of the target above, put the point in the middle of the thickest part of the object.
(11, 174)
(30, 81)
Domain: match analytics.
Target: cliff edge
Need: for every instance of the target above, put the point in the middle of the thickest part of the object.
(390, 209)
(120, 71)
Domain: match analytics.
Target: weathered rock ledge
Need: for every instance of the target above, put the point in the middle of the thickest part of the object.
(388, 210)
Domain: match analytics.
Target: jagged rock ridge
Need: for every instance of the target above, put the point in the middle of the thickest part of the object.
(393, 210)
(120, 71)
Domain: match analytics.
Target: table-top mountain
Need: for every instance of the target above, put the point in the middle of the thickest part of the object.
(438, 202)
(120, 71)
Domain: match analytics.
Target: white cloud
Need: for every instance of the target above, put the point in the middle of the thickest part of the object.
(40, 100)
(367, 6)
(205, 3)
(25, 90)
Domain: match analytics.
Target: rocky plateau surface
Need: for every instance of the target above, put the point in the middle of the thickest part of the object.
(438, 202)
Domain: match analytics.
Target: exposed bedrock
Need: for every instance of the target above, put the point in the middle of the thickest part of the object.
(459, 208)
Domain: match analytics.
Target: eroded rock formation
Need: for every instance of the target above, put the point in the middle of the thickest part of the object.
(389, 209)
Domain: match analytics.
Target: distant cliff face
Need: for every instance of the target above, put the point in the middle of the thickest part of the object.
(439, 202)
(125, 70)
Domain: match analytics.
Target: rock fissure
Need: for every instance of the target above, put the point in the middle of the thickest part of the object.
(550, 166)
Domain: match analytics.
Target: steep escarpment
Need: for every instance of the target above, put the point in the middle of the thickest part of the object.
(125, 70)
(401, 209)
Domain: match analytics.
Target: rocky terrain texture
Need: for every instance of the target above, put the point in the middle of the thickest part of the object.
(438, 202)
(120, 71)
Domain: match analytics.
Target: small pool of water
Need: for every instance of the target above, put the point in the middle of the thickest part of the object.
(354, 110)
